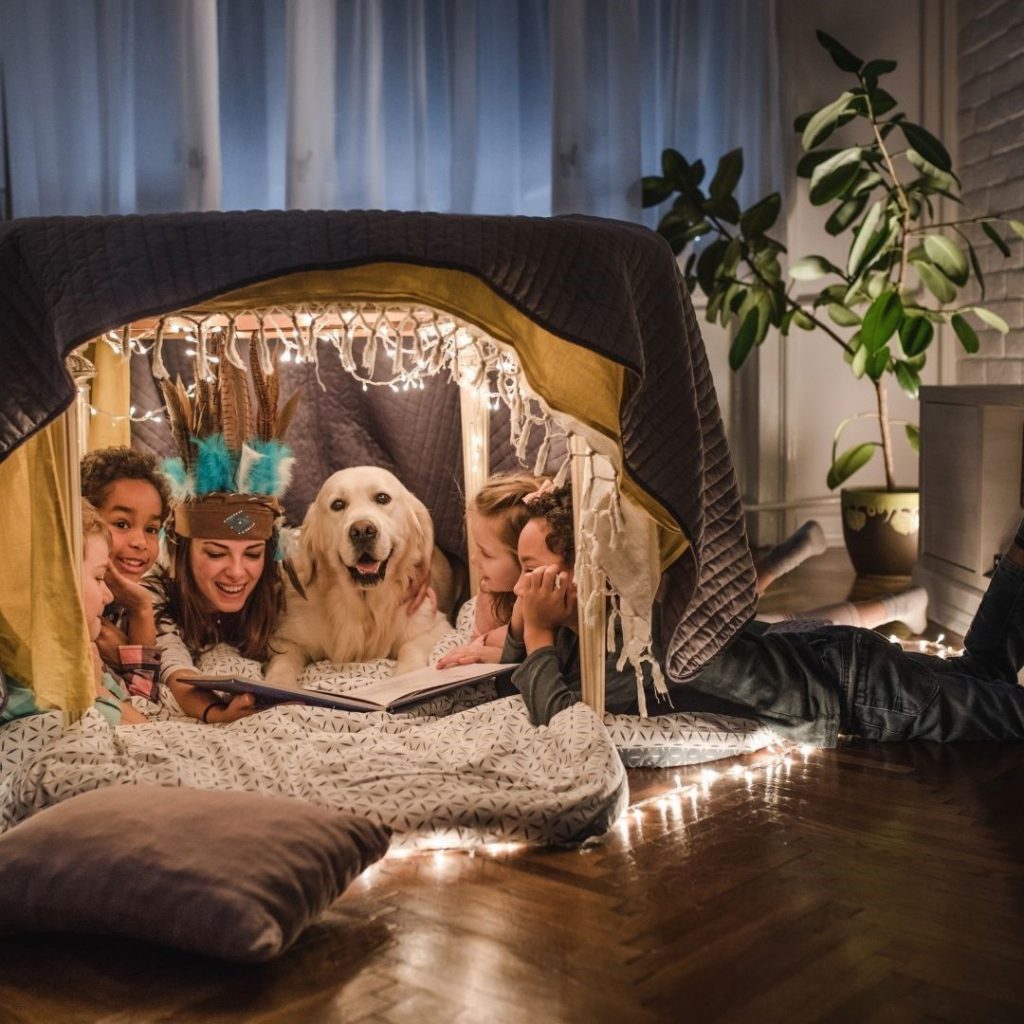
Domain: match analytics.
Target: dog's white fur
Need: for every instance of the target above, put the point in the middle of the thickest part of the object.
(364, 511)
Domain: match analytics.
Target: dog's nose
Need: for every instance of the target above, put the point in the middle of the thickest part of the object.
(362, 531)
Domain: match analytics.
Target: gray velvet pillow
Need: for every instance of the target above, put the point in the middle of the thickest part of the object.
(232, 875)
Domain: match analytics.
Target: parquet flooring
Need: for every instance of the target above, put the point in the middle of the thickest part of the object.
(870, 883)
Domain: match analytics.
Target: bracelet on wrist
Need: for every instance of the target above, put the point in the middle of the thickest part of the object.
(206, 711)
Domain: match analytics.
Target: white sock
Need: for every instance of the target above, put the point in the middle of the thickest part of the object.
(910, 607)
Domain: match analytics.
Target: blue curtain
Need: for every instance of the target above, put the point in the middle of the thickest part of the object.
(485, 106)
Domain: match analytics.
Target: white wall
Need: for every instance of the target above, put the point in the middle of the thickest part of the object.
(990, 122)
(783, 409)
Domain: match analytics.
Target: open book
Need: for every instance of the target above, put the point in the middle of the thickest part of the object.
(390, 694)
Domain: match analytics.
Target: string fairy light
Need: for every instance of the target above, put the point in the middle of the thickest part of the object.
(670, 808)
(380, 346)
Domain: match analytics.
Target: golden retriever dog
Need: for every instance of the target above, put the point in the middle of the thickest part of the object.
(364, 544)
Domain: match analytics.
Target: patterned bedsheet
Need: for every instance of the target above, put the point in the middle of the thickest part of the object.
(463, 769)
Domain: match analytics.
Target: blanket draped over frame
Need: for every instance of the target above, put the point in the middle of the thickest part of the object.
(607, 293)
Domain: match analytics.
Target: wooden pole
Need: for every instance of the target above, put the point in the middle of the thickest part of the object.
(589, 581)
(474, 406)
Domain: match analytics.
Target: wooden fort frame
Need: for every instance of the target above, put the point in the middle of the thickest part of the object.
(408, 342)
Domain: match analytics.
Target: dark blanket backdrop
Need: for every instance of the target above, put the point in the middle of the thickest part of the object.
(607, 286)
(415, 434)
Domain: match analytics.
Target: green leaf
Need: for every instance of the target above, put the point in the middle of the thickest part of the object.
(801, 121)
(694, 231)
(725, 208)
(727, 174)
(842, 315)
(743, 342)
(806, 164)
(859, 362)
(708, 262)
(965, 332)
(876, 68)
(844, 60)
(986, 226)
(1018, 226)
(916, 333)
(733, 253)
(696, 173)
(761, 216)
(948, 257)
(927, 145)
(938, 284)
(908, 379)
(687, 207)
(876, 282)
(834, 176)
(655, 190)
(936, 178)
(802, 320)
(810, 268)
(881, 320)
(866, 182)
(977, 268)
(881, 102)
(849, 462)
(992, 319)
(824, 120)
(767, 264)
(677, 217)
(913, 436)
(675, 168)
(878, 362)
(859, 251)
(846, 214)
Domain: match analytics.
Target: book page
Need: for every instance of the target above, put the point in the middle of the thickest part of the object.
(386, 691)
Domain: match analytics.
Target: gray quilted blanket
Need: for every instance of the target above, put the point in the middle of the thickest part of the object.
(609, 287)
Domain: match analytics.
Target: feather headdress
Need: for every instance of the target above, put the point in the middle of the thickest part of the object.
(233, 464)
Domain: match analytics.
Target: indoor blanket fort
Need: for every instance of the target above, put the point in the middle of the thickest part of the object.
(445, 348)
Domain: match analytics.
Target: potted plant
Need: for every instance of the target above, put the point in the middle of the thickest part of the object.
(904, 269)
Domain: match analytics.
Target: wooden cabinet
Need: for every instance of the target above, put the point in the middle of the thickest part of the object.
(972, 447)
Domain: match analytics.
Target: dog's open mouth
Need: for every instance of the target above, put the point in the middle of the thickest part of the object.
(368, 572)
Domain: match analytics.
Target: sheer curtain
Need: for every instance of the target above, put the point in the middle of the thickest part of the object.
(486, 106)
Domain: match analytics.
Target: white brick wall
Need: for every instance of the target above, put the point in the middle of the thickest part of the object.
(990, 126)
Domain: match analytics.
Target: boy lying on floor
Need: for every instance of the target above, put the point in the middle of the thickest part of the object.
(808, 686)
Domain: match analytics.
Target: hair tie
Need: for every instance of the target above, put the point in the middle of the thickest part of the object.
(545, 488)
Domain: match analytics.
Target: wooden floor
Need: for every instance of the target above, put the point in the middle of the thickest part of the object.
(870, 883)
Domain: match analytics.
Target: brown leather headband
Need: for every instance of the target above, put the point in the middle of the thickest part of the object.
(226, 517)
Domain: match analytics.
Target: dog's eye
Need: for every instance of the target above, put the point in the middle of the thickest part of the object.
(338, 505)
(382, 498)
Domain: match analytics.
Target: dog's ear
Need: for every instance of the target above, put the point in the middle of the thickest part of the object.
(311, 543)
(421, 531)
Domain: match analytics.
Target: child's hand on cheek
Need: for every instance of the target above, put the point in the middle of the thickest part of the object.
(547, 600)
(127, 592)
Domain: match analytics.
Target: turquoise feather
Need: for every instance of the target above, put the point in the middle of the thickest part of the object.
(270, 474)
(177, 477)
(215, 464)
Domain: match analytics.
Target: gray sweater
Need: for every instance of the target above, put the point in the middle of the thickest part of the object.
(549, 679)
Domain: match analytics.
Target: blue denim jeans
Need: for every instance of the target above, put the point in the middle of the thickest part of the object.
(810, 686)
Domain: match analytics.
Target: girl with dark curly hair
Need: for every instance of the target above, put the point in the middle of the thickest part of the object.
(132, 499)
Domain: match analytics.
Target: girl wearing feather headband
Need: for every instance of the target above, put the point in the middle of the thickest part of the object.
(222, 533)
